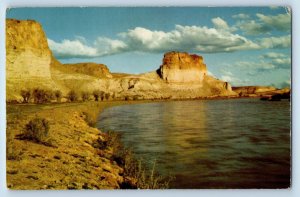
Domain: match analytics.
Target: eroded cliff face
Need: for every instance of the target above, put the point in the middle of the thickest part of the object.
(180, 67)
(28, 57)
(30, 64)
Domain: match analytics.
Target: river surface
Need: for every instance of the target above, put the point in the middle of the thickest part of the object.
(236, 143)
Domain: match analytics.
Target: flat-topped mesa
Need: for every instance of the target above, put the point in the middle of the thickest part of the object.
(178, 67)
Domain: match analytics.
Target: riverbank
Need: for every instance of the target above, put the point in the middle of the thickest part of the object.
(68, 159)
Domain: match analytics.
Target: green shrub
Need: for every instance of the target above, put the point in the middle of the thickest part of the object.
(85, 96)
(26, 94)
(72, 96)
(36, 130)
(42, 96)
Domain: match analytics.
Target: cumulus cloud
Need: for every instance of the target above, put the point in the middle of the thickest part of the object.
(253, 28)
(219, 23)
(279, 60)
(265, 63)
(106, 46)
(71, 49)
(280, 22)
(190, 38)
(276, 42)
(255, 66)
(265, 24)
(197, 39)
(182, 38)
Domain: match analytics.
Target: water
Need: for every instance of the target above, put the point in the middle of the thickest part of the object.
(237, 143)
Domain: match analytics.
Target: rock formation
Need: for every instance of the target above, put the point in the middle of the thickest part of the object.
(28, 57)
(258, 91)
(30, 64)
(182, 68)
(92, 69)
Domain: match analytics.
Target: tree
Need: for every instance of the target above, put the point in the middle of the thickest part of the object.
(72, 96)
(41, 96)
(26, 94)
(107, 96)
(58, 95)
(98, 94)
(85, 96)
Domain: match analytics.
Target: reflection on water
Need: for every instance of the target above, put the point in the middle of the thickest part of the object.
(239, 143)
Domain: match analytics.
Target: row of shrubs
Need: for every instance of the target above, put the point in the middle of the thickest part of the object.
(38, 95)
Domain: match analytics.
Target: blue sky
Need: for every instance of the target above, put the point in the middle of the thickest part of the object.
(242, 45)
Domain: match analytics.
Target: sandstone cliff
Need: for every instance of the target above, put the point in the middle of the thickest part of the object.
(30, 64)
(182, 68)
(28, 57)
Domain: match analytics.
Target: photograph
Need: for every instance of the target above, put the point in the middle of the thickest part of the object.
(103, 98)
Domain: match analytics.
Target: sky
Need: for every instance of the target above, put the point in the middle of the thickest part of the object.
(240, 45)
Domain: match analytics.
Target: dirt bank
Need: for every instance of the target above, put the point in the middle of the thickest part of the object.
(68, 160)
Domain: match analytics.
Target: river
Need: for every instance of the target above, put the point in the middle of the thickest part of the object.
(232, 143)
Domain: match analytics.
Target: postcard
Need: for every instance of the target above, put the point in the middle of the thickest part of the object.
(148, 98)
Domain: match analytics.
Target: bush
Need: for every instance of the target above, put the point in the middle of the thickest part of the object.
(36, 130)
(42, 96)
(85, 96)
(58, 95)
(98, 94)
(72, 96)
(26, 94)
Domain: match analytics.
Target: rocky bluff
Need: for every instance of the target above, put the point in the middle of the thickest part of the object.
(182, 68)
(30, 64)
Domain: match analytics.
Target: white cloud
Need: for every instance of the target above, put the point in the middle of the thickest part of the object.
(219, 23)
(265, 24)
(71, 48)
(273, 55)
(252, 27)
(279, 60)
(186, 38)
(226, 72)
(280, 22)
(106, 46)
(257, 65)
(274, 7)
(197, 39)
(276, 42)
(241, 16)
